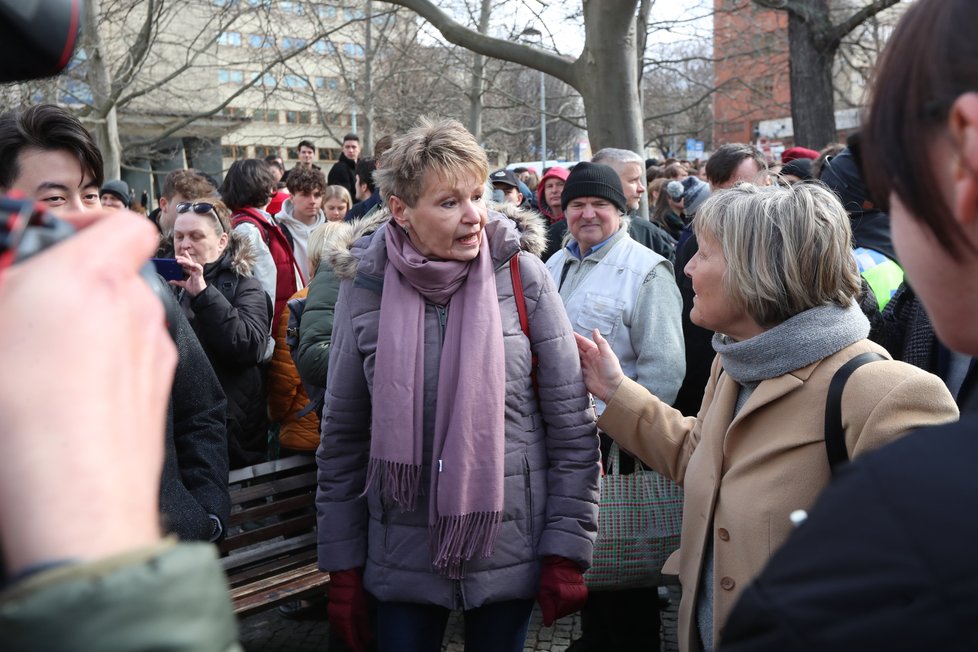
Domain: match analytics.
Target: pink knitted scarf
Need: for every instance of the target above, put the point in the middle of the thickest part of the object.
(466, 492)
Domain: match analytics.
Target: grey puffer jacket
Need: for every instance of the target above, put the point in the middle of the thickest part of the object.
(551, 446)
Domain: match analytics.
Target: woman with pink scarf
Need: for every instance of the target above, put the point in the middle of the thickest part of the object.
(458, 466)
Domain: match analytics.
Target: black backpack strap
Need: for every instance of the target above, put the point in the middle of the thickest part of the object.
(835, 436)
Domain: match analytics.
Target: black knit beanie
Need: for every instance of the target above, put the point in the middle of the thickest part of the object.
(593, 180)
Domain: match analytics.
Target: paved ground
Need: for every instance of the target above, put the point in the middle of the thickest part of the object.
(268, 632)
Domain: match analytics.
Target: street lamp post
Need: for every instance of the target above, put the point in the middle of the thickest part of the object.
(537, 34)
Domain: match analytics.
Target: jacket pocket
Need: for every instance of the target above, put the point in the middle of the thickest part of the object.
(601, 312)
(528, 490)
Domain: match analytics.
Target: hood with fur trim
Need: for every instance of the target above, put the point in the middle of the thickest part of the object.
(509, 229)
(239, 257)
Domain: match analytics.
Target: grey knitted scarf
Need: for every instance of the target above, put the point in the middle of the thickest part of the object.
(795, 343)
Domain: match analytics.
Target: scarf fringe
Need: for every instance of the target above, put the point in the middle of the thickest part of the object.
(399, 482)
(456, 539)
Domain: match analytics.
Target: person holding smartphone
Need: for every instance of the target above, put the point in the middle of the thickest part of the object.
(231, 313)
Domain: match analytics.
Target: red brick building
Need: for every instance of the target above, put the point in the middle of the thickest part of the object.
(751, 69)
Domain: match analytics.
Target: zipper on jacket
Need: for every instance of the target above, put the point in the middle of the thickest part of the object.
(458, 595)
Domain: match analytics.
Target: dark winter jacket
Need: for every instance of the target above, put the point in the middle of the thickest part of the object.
(194, 484)
(231, 318)
(885, 560)
(312, 359)
(361, 208)
(344, 173)
(550, 487)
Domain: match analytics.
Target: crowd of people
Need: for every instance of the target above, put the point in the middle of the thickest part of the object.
(462, 348)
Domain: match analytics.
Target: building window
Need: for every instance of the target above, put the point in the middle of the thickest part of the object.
(261, 40)
(266, 115)
(233, 77)
(229, 38)
(328, 154)
(267, 80)
(353, 50)
(295, 81)
(324, 47)
(292, 42)
(261, 151)
(232, 151)
(298, 117)
(296, 8)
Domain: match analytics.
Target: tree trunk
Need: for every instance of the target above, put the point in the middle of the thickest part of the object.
(368, 98)
(100, 82)
(607, 75)
(477, 83)
(812, 101)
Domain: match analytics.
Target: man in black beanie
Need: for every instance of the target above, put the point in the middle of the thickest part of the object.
(610, 282)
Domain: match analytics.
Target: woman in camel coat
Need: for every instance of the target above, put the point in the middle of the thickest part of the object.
(776, 280)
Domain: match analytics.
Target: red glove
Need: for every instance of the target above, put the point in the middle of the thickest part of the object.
(347, 608)
(562, 589)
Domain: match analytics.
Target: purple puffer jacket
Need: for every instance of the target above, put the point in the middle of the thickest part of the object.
(551, 451)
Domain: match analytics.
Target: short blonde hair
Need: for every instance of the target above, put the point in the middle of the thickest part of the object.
(319, 239)
(445, 147)
(788, 249)
(338, 192)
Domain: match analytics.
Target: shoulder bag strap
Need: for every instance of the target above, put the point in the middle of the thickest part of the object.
(514, 270)
(835, 436)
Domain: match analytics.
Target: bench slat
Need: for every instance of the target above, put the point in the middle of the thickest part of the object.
(258, 471)
(238, 577)
(297, 587)
(273, 508)
(305, 481)
(283, 528)
(266, 552)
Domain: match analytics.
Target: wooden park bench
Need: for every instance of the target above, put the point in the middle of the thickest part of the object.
(269, 554)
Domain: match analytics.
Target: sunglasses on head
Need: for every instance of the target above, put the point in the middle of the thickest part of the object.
(200, 208)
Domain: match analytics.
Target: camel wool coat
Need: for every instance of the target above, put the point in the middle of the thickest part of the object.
(743, 476)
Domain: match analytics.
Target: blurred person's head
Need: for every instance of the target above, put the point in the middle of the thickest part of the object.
(319, 238)
(434, 182)
(382, 145)
(48, 156)
(307, 152)
(247, 184)
(336, 203)
(201, 230)
(115, 195)
(920, 155)
(630, 168)
(508, 183)
(593, 204)
(736, 163)
(277, 166)
(768, 253)
(365, 181)
(306, 185)
(182, 186)
(351, 147)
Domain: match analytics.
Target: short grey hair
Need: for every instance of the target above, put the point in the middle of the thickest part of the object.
(617, 158)
(788, 249)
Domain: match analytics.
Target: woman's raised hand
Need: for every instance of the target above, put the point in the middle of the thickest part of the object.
(194, 284)
(602, 371)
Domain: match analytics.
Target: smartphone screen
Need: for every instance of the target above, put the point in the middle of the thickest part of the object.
(169, 269)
